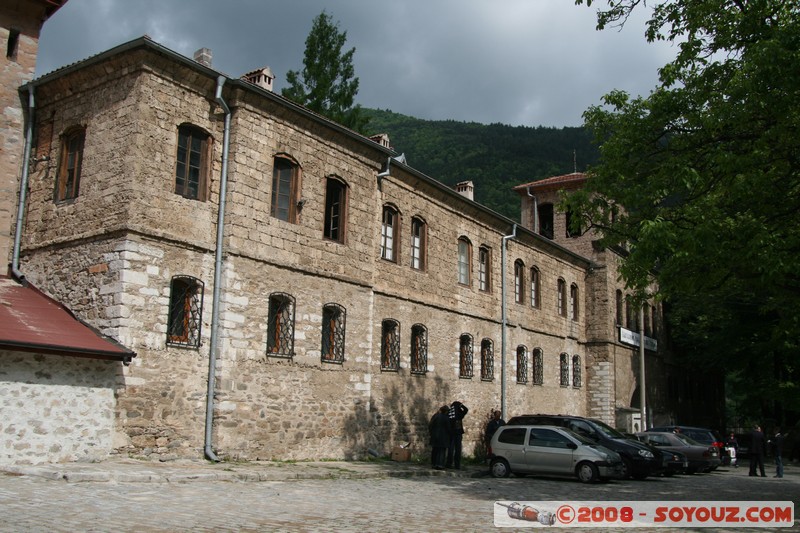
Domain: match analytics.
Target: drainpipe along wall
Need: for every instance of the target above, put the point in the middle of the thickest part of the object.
(214, 344)
(504, 320)
(23, 189)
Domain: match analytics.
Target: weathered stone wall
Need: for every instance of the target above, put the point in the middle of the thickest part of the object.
(56, 408)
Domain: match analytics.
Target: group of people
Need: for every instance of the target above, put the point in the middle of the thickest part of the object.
(758, 448)
(447, 432)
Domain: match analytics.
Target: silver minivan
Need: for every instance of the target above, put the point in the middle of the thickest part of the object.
(551, 450)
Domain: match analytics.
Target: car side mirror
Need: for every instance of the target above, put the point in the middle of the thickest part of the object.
(572, 446)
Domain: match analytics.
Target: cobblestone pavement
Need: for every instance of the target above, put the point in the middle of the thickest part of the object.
(126, 495)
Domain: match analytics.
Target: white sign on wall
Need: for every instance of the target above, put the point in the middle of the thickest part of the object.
(627, 336)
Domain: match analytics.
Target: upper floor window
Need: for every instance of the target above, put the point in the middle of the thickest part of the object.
(465, 356)
(522, 364)
(185, 311)
(280, 330)
(573, 301)
(576, 231)
(562, 297)
(564, 369)
(576, 370)
(69, 166)
(333, 328)
(335, 210)
(619, 312)
(419, 243)
(390, 345)
(12, 46)
(546, 220)
(419, 349)
(389, 233)
(535, 292)
(485, 269)
(487, 360)
(632, 323)
(519, 281)
(192, 166)
(464, 261)
(285, 188)
(538, 366)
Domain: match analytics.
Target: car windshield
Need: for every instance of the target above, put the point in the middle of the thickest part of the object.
(688, 440)
(580, 438)
(608, 431)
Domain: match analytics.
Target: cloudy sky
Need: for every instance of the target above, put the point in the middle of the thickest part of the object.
(516, 62)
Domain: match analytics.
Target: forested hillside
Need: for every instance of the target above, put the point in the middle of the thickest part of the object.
(494, 157)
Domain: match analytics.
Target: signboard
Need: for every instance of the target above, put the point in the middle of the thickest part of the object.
(627, 336)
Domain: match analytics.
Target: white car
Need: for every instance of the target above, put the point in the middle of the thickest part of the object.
(554, 451)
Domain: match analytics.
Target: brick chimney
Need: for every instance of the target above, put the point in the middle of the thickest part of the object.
(466, 188)
(262, 77)
(203, 56)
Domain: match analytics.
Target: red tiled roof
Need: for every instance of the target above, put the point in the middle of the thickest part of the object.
(31, 321)
(555, 182)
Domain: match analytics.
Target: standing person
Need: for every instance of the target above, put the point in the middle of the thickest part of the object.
(439, 427)
(456, 414)
(757, 451)
(732, 445)
(777, 441)
(492, 427)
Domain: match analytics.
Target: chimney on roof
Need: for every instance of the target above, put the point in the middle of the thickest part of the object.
(382, 139)
(203, 56)
(262, 77)
(466, 188)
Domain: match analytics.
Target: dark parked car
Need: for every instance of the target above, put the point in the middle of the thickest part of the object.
(702, 457)
(638, 459)
(701, 435)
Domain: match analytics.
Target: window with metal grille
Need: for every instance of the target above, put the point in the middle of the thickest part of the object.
(465, 356)
(390, 345)
(389, 233)
(192, 164)
(573, 301)
(285, 188)
(576, 371)
(538, 367)
(69, 167)
(280, 330)
(185, 312)
(522, 364)
(519, 281)
(333, 328)
(464, 261)
(419, 349)
(335, 210)
(564, 369)
(487, 360)
(562, 297)
(485, 269)
(419, 243)
(535, 287)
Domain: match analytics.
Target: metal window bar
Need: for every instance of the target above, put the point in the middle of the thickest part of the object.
(419, 349)
(487, 360)
(576, 371)
(280, 335)
(564, 370)
(465, 357)
(538, 367)
(185, 312)
(333, 333)
(522, 364)
(390, 346)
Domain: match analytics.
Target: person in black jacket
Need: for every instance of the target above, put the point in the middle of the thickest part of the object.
(456, 413)
(757, 451)
(439, 427)
(492, 427)
(777, 442)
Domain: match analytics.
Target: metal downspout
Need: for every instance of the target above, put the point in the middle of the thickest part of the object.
(212, 351)
(503, 334)
(23, 190)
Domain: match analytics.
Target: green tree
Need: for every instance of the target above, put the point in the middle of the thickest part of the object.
(702, 179)
(327, 83)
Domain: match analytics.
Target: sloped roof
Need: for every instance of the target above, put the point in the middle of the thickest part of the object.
(31, 321)
(564, 181)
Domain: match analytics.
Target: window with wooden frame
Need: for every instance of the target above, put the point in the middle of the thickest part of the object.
(576, 371)
(285, 188)
(390, 345)
(485, 269)
(419, 349)
(185, 312)
(522, 364)
(333, 330)
(280, 328)
(464, 261)
(573, 301)
(538, 366)
(335, 210)
(419, 243)
(192, 163)
(69, 166)
(564, 369)
(535, 288)
(519, 281)
(465, 356)
(487, 360)
(390, 233)
(562, 297)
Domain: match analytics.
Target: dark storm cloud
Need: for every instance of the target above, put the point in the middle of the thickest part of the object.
(519, 62)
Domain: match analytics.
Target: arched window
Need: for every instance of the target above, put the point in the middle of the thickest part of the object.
(335, 209)
(522, 364)
(538, 367)
(464, 261)
(419, 349)
(519, 281)
(576, 371)
(285, 188)
(465, 356)
(562, 297)
(487, 360)
(193, 162)
(69, 166)
(390, 233)
(280, 329)
(573, 301)
(564, 369)
(419, 243)
(185, 312)
(619, 308)
(485, 269)
(535, 288)
(390, 345)
(333, 330)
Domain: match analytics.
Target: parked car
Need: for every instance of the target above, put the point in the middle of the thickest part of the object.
(701, 457)
(551, 450)
(672, 462)
(701, 435)
(638, 459)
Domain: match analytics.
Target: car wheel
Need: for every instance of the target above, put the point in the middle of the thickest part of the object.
(499, 467)
(627, 468)
(587, 472)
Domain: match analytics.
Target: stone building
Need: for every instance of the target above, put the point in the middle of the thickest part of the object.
(291, 288)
